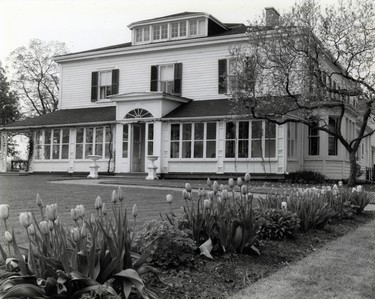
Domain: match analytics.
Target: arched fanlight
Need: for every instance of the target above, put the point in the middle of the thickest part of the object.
(138, 113)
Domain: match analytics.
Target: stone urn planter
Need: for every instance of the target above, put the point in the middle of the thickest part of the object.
(151, 168)
(94, 167)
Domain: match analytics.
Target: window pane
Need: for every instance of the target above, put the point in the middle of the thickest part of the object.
(99, 149)
(108, 134)
(65, 137)
(88, 150)
(186, 132)
(243, 148)
(89, 135)
(108, 150)
(146, 33)
(211, 130)
(175, 149)
(56, 136)
(47, 152)
(164, 31)
(150, 131)
(79, 151)
(47, 137)
(314, 146)
(125, 133)
(193, 27)
(256, 149)
(243, 130)
(156, 29)
(198, 131)
(174, 29)
(99, 135)
(183, 29)
(230, 130)
(79, 138)
(56, 152)
(230, 149)
(175, 132)
(198, 149)
(270, 148)
(186, 149)
(150, 148)
(125, 149)
(256, 129)
(65, 151)
(211, 149)
(270, 130)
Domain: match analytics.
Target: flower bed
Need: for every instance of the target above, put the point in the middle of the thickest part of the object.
(232, 230)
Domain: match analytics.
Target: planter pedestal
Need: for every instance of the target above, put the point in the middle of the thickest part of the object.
(151, 168)
(94, 167)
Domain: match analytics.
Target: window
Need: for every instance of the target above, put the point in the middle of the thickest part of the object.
(313, 137)
(292, 140)
(125, 141)
(150, 139)
(255, 139)
(160, 32)
(332, 140)
(196, 140)
(104, 84)
(93, 141)
(175, 141)
(178, 29)
(270, 140)
(52, 144)
(142, 34)
(167, 78)
(238, 74)
(197, 27)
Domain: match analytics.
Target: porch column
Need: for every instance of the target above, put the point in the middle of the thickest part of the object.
(282, 148)
(3, 151)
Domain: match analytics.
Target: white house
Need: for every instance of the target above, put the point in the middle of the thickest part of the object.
(162, 94)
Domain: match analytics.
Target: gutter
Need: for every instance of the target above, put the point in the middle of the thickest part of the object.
(57, 125)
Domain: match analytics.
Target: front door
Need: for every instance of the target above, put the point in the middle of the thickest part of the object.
(138, 148)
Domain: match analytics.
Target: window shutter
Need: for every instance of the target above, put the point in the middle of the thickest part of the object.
(154, 78)
(222, 73)
(177, 78)
(115, 81)
(94, 86)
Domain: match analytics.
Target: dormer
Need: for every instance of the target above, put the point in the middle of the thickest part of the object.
(180, 26)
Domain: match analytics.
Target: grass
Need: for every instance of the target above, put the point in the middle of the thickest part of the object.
(343, 268)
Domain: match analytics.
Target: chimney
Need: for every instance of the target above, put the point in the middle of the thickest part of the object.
(272, 17)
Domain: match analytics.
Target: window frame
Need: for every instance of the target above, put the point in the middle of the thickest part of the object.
(41, 145)
(310, 138)
(106, 149)
(332, 140)
(250, 141)
(189, 141)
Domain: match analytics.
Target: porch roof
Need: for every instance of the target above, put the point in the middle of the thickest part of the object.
(206, 108)
(66, 117)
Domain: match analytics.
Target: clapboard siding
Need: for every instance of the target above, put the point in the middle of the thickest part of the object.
(199, 77)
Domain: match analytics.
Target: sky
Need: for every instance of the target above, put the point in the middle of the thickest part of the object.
(90, 24)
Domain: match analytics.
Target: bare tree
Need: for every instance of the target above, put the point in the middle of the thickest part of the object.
(305, 66)
(35, 75)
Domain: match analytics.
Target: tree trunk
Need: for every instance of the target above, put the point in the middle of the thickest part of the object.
(353, 169)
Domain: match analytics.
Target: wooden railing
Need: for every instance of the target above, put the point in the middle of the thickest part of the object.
(19, 165)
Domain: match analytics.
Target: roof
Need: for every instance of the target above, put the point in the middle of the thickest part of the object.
(205, 108)
(67, 117)
(177, 15)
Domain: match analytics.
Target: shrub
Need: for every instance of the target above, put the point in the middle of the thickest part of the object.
(277, 224)
(305, 177)
(172, 247)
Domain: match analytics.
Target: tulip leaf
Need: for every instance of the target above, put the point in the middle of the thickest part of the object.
(3, 253)
(23, 290)
(21, 261)
(130, 275)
